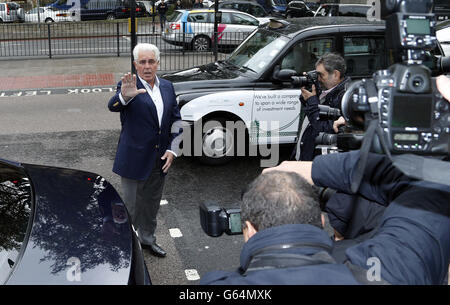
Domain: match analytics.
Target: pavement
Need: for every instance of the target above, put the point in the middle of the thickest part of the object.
(62, 72)
(93, 71)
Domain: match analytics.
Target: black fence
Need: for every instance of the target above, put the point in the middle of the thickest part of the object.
(179, 48)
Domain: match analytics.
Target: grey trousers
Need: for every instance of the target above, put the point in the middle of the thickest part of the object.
(142, 199)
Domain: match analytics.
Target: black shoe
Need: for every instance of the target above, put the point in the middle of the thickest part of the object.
(155, 250)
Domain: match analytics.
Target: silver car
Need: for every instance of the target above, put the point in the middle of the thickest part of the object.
(48, 15)
(194, 29)
(11, 12)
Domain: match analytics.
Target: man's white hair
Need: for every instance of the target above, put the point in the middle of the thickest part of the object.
(145, 47)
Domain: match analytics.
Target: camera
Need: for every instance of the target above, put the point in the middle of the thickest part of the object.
(310, 78)
(329, 113)
(412, 115)
(216, 220)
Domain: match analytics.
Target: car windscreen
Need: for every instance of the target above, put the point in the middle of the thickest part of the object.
(327, 10)
(258, 50)
(13, 6)
(279, 2)
(15, 213)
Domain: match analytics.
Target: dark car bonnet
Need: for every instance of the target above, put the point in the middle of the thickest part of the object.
(80, 233)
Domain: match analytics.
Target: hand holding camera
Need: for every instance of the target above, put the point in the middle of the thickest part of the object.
(307, 94)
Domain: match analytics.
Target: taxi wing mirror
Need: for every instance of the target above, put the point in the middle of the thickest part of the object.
(284, 75)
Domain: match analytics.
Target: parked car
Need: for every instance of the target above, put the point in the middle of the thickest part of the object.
(246, 88)
(246, 6)
(148, 7)
(301, 9)
(47, 14)
(275, 8)
(109, 9)
(11, 12)
(347, 10)
(67, 4)
(64, 226)
(198, 27)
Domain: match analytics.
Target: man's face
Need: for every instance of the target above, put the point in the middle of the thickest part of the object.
(146, 66)
(327, 80)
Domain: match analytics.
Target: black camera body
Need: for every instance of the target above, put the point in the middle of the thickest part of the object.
(216, 220)
(413, 115)
(310, 78)
(411, 31)
(297, 81)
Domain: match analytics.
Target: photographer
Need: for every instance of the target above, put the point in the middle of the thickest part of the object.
(331, 70)
(284, 243)
(411, 245)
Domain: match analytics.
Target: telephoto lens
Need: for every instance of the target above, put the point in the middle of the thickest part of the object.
(326, 139)
(329, 113)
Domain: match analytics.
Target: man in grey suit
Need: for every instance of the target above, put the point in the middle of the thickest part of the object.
(146, 148)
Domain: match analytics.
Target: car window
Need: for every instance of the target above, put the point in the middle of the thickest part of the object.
(327, 10)
(241, 7)
(226, 18)
(13, 6)
(364, 55)
(198, 17)
(175, 16)
(258, 11)
(227, 6)
(353, 11)
(259, 50)
(15, 212)
(244, 20)
(304, 55)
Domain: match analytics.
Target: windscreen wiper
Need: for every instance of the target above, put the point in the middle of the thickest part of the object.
(248, 69)
(230, 65)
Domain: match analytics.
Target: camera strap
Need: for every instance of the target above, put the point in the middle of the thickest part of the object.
(372, 131)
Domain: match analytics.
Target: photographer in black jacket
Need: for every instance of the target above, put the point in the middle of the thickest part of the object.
(331, 70)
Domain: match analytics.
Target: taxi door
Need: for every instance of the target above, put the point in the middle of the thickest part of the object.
(276, 114)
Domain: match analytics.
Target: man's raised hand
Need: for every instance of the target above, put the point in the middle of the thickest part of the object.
(129, 89)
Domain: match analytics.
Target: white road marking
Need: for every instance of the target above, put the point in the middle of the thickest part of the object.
(192, 274)
(175, 232)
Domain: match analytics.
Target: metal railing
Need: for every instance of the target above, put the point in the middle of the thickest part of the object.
(110, 38)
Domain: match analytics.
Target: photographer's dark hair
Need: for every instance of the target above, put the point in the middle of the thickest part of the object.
(277, 198)
(331, 62)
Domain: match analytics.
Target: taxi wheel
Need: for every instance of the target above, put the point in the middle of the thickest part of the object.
(218, 143)
(201, 44)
